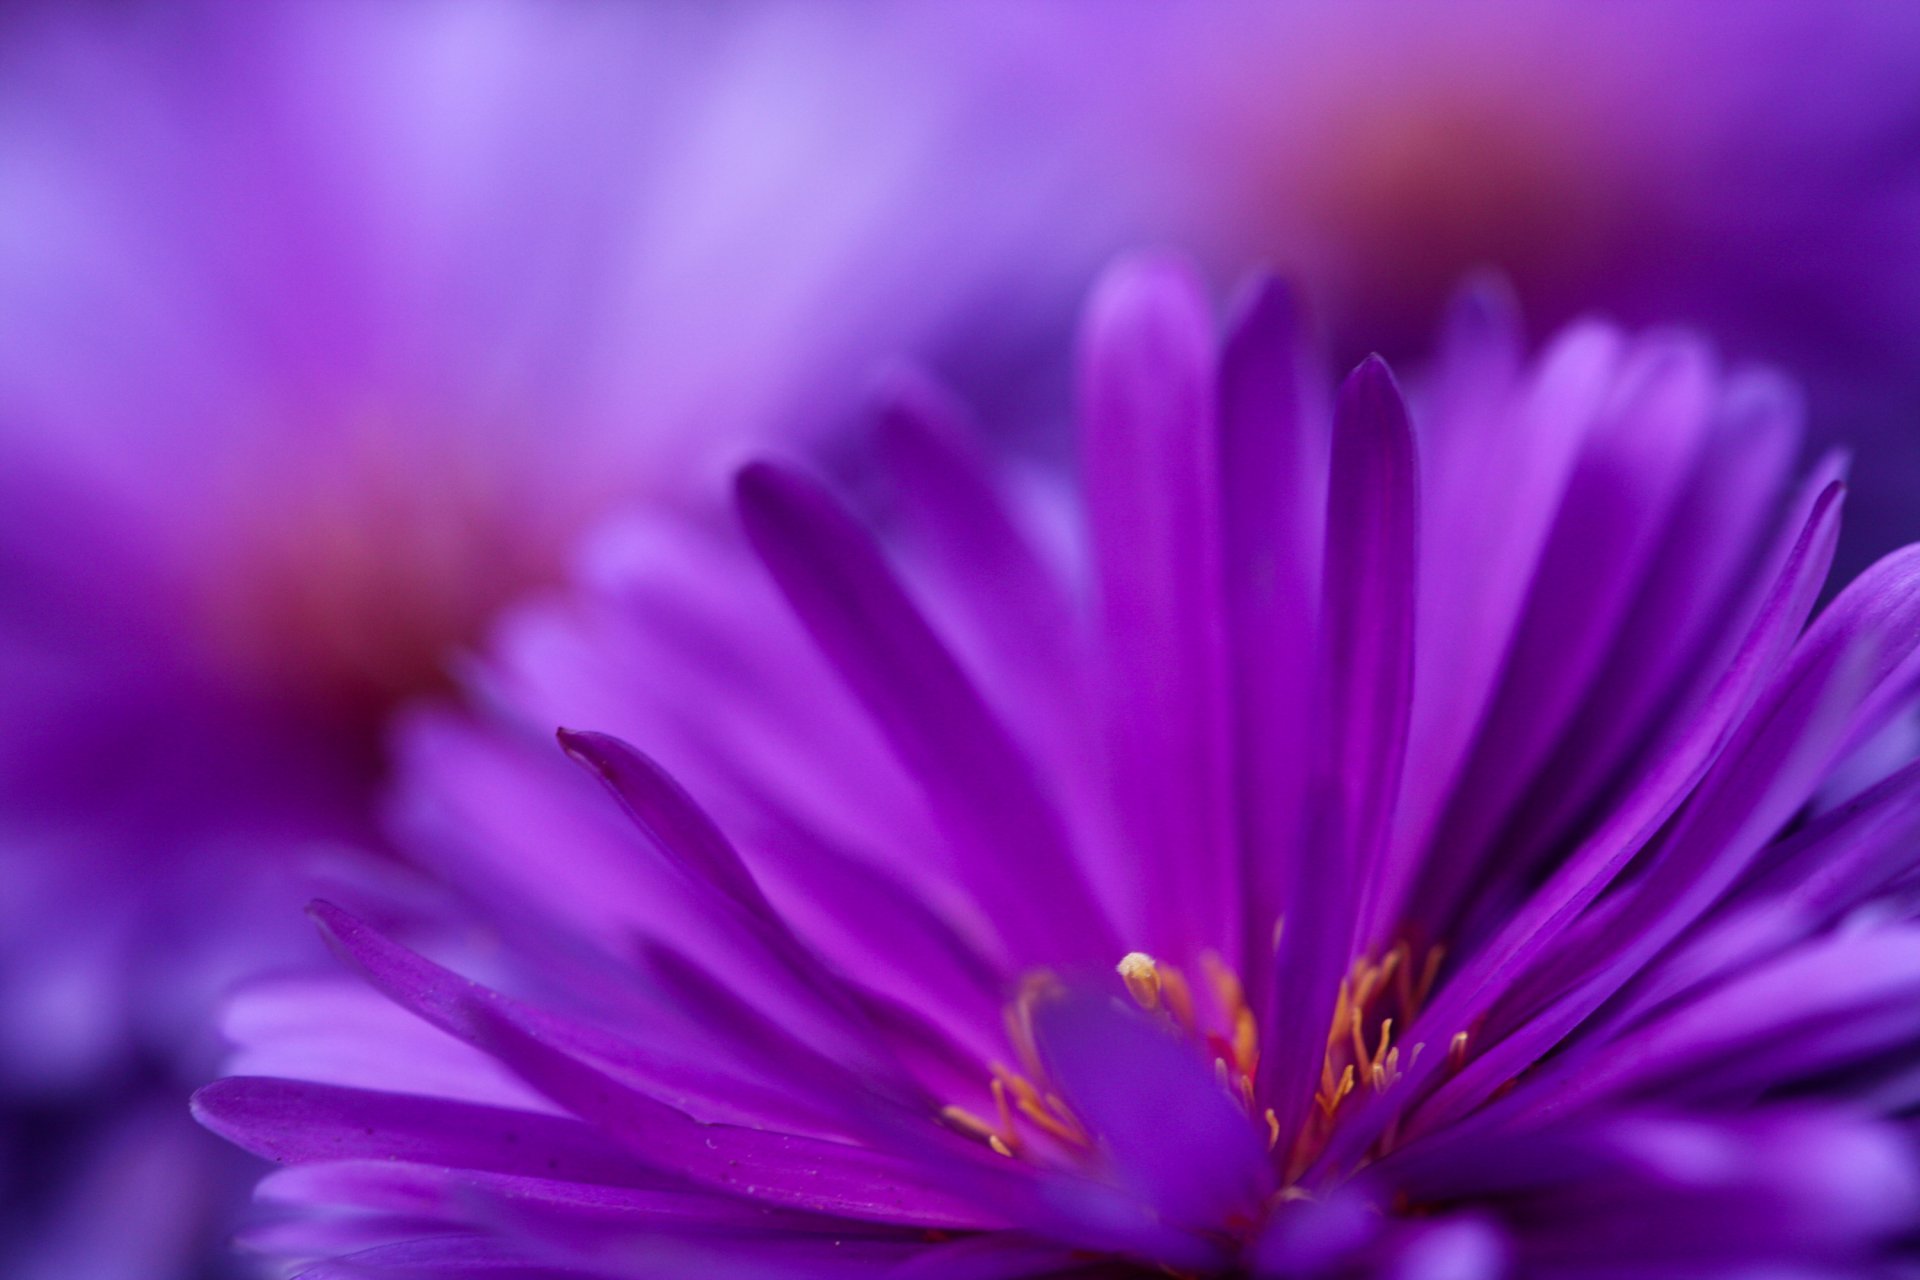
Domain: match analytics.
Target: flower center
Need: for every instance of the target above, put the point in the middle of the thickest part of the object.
(1361, 1055)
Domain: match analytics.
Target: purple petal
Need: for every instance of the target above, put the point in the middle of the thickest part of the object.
(1152, 495)
(474, 1013)
(1273, 451)
(295, 1122)
(1521, 446)
(1010, 846)
(683, 834)
(1361, 718)
(1819, 1008)
(1450, 1249)
(1668, 781)
(1604, 534)
(1689, 597)
(788, 1169)
(1775, 763)
(984, 586)
(1169, 1131)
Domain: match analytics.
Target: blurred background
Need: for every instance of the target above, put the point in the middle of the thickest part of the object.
(328, 330)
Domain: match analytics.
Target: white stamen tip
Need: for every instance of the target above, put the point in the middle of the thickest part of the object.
(1142, 975)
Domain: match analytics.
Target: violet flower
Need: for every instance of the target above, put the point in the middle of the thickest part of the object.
(328, 326)
(1350, 836)
(1757, 177)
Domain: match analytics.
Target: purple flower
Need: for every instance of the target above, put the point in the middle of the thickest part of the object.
(329, 325)
(1349, 835)
(1641, 158)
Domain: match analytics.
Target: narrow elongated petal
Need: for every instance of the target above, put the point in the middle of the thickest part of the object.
(1019, 641)
(1361, 714)
(1151, 473)
(1691, 590)
(1596, 557)
(293, 1122)
(1273, 451)
(1530, 930)
(1010, 844)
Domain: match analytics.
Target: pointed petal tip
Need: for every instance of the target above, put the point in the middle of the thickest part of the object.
(1371, 387)
(1374, 366)
(589, 747)
(223, 1108)
(328, 916)
(204, 1103)
(600, 754)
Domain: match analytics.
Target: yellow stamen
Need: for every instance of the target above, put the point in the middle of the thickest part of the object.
(1142, 976)
(966, 1122)
(1226, 984)
(1428, 975)
(1178, 995)
(1246, 1040)
(1000, 1106)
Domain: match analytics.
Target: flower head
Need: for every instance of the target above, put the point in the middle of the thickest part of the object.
(329, 326)
(1402, 836)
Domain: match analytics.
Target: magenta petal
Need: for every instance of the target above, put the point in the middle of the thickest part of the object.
(1768, 773)
(1538, 923)
(1687, 602)
(789, 1169)
(1010, 844)
(1152, 483)
(1604, 536)
(1273, 459)
(685, 835)
(1019, 640)
(1361, 712)
(1171, 1134)
(294, 1122)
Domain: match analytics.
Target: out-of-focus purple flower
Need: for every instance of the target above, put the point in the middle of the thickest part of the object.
(327, 326)
(1756, 174)
(1351, 835)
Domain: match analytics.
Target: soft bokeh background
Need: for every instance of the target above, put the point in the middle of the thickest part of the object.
(327, 330)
